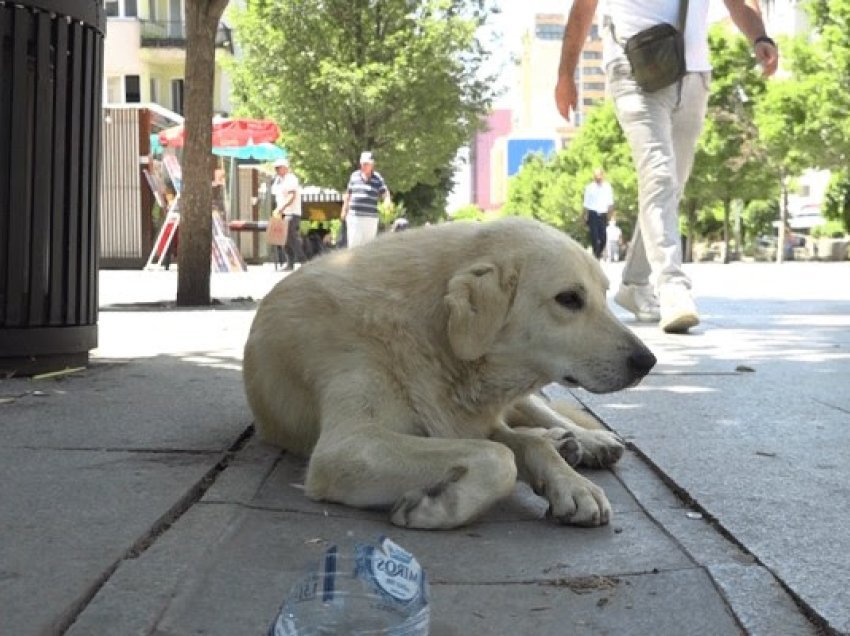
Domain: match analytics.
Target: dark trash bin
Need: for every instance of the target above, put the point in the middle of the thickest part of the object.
(51, 68)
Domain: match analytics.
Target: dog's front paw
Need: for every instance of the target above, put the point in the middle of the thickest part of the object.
(566, 444)
(599, 448)
(576, 501)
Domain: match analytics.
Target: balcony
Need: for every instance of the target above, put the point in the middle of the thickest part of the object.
(172, 34)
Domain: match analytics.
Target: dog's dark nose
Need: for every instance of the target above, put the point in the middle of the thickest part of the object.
(641, 361)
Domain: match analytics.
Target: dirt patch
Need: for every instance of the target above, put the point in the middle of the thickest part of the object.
(585, 584)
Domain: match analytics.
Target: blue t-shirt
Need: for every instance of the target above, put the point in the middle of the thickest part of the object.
(364, 193)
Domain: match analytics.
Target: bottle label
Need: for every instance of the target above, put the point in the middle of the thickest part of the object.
(392, 570)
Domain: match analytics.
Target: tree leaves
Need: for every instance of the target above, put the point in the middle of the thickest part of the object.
(397, 77)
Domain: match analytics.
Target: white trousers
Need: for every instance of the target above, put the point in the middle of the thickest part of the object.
(662, 129)
(360, 229)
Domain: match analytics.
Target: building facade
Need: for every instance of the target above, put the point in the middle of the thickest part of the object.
(498, 125)
(145, 55)
(537, 115)
(534, 125)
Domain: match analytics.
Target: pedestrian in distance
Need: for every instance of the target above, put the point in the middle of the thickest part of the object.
(613, 240)
(287, 194)
(360, 203)
(598, 204)
(662, 117)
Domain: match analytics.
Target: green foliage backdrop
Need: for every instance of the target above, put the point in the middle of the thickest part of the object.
(397, 77)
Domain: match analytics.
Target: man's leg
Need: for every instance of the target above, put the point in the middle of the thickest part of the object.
(658, 127)
(601, 225)
(593, 225)
(370, 228)
(352, 230)
(646, 119)
(295, 235)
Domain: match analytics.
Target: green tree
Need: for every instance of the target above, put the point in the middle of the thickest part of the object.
(553, 190)
(827, 61)
(397, 77)
(193, 276)
(837, 200)
(729, 156)
(469, 212)
(426, 202)
(791, 141)
(525, 189)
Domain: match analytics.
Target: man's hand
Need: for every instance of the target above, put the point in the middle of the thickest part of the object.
(566, 95)
(768, 57)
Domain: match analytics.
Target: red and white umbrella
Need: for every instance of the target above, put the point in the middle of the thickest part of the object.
(228, 133)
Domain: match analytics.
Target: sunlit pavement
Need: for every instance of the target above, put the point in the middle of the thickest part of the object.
(135, 498)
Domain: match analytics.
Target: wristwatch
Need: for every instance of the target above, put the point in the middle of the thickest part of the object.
(766, 39)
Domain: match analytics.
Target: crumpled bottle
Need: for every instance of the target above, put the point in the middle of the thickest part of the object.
(373, 589)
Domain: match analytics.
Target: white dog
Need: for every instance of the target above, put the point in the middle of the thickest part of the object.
(406, 370)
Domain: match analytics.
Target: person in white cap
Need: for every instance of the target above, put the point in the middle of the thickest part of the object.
(287, 196)
(360, 203)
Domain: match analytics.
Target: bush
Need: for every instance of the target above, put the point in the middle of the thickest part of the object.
(830, 229)
(469, 212)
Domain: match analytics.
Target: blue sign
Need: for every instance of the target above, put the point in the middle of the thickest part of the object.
(518, 149)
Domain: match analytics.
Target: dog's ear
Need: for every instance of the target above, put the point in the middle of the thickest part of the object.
(478, 299)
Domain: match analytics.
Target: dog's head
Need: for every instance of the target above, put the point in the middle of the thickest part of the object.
(534, 303)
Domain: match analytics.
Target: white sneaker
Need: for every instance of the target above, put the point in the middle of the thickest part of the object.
(640, 300)
(678, 311)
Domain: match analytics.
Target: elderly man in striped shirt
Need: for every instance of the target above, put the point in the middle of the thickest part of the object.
(360, 203)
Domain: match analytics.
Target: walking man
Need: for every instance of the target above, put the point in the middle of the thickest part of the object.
(360, 203)
(662, 127)
(287, 194)
(598, 202)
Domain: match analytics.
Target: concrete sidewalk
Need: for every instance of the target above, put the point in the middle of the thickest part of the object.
(134, 498)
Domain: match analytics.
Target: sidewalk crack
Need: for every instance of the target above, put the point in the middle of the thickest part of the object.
(159, 527)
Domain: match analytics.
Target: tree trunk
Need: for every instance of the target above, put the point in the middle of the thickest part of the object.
(193, 276)
(783, 220)
(739, 238)
(726, 214)
(690, 216)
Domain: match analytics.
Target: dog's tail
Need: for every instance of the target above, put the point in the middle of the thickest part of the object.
(576, 414)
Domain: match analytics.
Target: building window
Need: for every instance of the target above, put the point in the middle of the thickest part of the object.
(177, 96)
(594, 31)
(549, 31)
(121, 8)
(132, 89)
(591, 55)
(154, 94)
(589, 101)
(592, 70)
(594, 86)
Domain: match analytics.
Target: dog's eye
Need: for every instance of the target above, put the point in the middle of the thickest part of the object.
(570, 299)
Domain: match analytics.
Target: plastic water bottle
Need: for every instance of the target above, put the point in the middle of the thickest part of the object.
(373, 589)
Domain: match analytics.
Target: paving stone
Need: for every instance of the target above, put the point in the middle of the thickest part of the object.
(663, 604)
(268, 552)
(161, 403)
(759, 602)
(67, 517)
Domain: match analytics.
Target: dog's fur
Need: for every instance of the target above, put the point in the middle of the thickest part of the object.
(407, 369)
